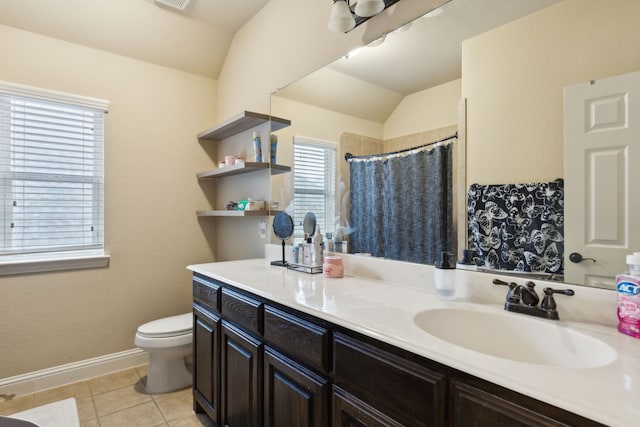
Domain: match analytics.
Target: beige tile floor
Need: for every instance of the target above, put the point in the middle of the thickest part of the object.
(117, 400)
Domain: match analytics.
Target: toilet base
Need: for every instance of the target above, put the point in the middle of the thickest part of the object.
(167, 374)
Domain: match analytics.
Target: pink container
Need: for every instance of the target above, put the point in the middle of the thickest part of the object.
(628, 288)
(332, 267)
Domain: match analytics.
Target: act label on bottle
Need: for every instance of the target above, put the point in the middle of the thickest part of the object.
(628, 288)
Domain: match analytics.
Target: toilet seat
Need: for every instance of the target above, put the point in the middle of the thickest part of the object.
(167, 327)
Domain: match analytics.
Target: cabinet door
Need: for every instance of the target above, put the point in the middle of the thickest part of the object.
(294, 395)
(406, 391)
(241, 376)
(349, 411)
(206, 363)
(474, 407)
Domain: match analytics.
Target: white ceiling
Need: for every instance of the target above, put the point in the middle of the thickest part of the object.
(195, 41)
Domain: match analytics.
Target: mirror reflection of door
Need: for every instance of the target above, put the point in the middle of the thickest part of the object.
(602, 193)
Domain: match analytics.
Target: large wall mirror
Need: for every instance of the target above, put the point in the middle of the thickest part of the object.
(493, 69)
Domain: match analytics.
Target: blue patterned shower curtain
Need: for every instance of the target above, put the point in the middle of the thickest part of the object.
(401, 205)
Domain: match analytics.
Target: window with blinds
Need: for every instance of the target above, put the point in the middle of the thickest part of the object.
(51, 171)
(314, 181)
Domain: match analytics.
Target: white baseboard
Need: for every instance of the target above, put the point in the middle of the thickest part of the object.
(57, 376)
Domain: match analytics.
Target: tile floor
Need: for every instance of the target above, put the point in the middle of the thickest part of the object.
(117, 400)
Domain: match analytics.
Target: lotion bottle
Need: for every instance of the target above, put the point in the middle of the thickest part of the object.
(318, 247)
(308, 251)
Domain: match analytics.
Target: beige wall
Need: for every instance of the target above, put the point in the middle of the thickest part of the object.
(513, 77)
(432, 108)
(151, 232)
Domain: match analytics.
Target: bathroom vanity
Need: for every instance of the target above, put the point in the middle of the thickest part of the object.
(276, 347)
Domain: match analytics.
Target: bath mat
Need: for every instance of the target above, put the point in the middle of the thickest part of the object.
(63, 413)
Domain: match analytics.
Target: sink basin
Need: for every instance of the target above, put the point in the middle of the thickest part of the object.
(516, 337)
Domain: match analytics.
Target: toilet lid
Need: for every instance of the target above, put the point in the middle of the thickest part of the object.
(168, 326)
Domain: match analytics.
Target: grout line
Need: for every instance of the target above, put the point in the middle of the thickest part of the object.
(99, 419)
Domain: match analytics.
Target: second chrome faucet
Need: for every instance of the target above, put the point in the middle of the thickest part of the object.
(524, 299)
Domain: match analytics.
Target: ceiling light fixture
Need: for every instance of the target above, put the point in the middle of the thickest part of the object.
(369, 8)
(341, 19)
(345, 18)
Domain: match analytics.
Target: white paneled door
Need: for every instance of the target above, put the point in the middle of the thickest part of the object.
(602, 177)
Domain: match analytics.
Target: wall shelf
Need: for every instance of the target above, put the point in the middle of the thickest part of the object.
(245, 167)
(241, 122)
(225, 133)
(227, 213)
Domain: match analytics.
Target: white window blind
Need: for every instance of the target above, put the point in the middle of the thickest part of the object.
(51, 171)
(314, 176)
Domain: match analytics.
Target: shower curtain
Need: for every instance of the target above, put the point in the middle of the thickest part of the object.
(401, 204)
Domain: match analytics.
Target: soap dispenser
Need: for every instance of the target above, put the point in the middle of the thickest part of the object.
(445, 276)
(467, 262)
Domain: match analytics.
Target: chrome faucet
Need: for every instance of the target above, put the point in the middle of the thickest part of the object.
(524, 299)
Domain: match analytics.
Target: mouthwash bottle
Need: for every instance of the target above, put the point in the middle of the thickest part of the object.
(257, 148)
(628, 288)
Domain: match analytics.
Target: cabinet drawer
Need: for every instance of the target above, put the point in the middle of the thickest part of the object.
(243, 311)
(207, 293)
(410, 393)
(299, 339)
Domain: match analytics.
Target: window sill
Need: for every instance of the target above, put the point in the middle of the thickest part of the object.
(52, 262)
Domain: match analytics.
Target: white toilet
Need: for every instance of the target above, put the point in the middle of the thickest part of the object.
(168, 341)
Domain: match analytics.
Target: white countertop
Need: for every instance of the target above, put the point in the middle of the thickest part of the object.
(384, 310)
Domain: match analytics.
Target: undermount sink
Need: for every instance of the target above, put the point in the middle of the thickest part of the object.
(516, 337)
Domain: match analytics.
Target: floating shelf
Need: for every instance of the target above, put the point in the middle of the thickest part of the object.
(241, 122)
(226, 213)
(244, 167)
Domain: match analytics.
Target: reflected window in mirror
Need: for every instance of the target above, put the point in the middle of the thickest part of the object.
(314, 181)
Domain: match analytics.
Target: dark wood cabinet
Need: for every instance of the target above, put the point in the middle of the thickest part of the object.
(294, 395)
(206, 366)
(301, 340)
(405, 391)
(476, 408)
(258, 363)
(349, 411)
(241, 378)
(477, 403)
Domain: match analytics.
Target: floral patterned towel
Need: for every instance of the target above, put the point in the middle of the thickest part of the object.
(517, 226)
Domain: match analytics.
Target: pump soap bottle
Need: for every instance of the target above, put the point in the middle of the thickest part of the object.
(318, 247)
(445, 276)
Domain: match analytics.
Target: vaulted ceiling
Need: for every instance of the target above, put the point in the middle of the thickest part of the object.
(196, 40)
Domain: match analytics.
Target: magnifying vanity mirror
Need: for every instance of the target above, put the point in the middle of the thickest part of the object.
(309, 224)
(493, 70)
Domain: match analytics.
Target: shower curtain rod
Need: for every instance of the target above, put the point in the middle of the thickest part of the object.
(350, 156)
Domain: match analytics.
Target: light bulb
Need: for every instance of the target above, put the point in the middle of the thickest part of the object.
(368, 8)
(341, 19)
